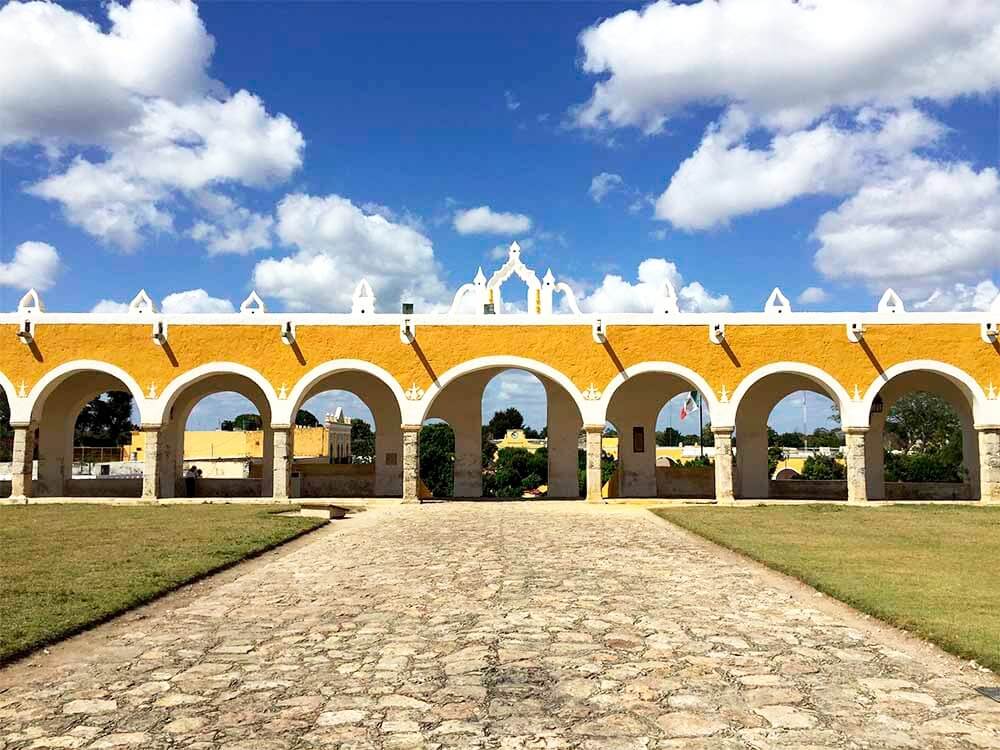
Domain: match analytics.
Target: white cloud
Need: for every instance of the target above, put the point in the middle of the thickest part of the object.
(139, 96)
(510, 100)
(615, 294)
(934, 226)
(235, 229)
(813, 295)
(34, 265)
(178, 303)
(725, 177)
(195, 301)
(63, 80)
(961, 297)
(484, 220)
(110, 306)
(785, 62)
(337, 244)
(603, 184)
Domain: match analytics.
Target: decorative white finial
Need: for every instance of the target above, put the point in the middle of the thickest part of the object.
(666, 301)
(22, 392)
(363, 301)
(152, 391)
(548, 279)
(592, 394)
(414, 393)
(777, 303)
(991, 394)
(724, 396)
(480, 279)
(283, 392)
(515, 250)
(253, 305)
(141, 304)
(30, 303)
(857, 393)
(891, 303)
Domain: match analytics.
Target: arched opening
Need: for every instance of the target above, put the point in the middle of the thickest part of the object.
(664, 445)
(348, 441)
(922, 443)
(788, 440)
(516, 432)
(85, 420)
(217, 439)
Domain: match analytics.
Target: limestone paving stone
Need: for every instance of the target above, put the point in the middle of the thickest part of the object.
(538, 625)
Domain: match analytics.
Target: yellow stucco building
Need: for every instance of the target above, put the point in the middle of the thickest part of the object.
(597, 369)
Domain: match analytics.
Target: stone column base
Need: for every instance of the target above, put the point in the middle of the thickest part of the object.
(594, 484)
(854, 456)
(724, 491)
(411, 463)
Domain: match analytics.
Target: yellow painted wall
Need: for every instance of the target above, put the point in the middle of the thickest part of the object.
(201, 444)
(568, 348)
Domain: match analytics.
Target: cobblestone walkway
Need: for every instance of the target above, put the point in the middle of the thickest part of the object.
(527, 625)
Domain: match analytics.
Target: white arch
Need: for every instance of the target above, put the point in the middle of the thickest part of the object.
(503, 363)
(25, 410)
(959, 378)
(665, 368)
(825, 380)
(176, 386)
(287, 409)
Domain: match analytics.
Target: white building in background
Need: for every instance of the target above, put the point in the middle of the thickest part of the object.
(338, 427)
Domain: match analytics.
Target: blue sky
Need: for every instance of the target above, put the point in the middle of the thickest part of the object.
(832, 148)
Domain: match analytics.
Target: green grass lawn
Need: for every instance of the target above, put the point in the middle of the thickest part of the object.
(933, 570)
(64, 567)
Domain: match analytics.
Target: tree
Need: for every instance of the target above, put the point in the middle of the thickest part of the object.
(105, 421)
(306, 419)
(668, 436)
(362, 442)
(824, 438)
(531, 433)
(922, 467)
(501, 421)
(517, 470)
(823, 467)
(246, 422)
(923, 422)
(791, 440)
(6, 432)
(775, 455)
(772, 436)
(437, 458)
(489, 450)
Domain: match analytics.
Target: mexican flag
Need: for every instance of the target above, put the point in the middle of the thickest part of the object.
(690, 405)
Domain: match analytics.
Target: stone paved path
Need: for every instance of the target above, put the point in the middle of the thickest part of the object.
(528, 625)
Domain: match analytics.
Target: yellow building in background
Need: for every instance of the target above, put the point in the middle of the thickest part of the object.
(205, 445)
(517, 439)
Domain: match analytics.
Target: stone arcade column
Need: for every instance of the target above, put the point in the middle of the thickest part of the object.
(22, 462)
(411, 463)
(724, 492)
(282, 464)
(854, 455)
(157, 477)
(989, 466)
(594, 433)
